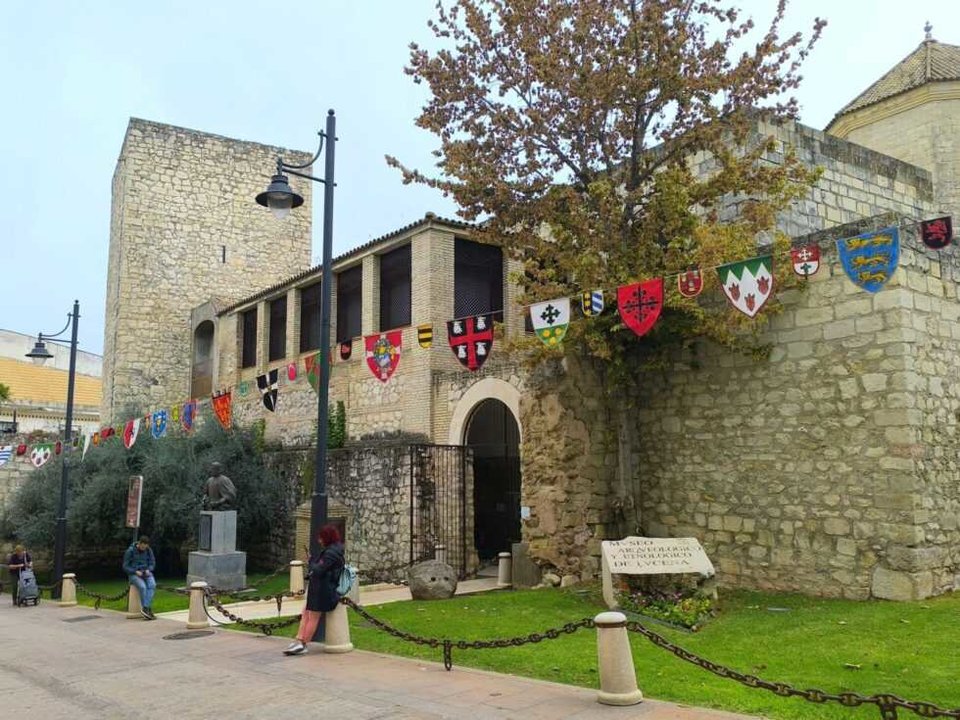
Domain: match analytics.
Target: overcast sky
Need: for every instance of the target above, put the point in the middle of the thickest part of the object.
(75, 72)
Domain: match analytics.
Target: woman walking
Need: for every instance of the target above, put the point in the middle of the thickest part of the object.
(323, 576)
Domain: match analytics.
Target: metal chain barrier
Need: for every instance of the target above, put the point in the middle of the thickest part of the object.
(50, 587)
(98, 598)
(448, 644)
(267, 627)
(886, 704)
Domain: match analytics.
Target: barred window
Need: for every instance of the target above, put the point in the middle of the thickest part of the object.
(349, 303)
(248, 338)
(278, 328)
(478, 279)
(395, 288)
(310, 318)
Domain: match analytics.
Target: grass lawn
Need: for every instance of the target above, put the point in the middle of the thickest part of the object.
(165, 601)
(907, 649)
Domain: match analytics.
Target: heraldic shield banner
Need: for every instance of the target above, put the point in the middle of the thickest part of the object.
(550, 320)
(383, 353)
(748, 284)
(471, 340)
(870, 260)
(640, 304)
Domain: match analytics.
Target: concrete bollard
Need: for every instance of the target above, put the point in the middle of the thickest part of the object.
(68, 590)
(618, 679)
(296, 576)
(337, 627)
(197, 617)
(133, 604)
(504, 570)
(440, 553)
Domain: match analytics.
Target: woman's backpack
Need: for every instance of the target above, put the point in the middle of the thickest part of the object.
(348, 576)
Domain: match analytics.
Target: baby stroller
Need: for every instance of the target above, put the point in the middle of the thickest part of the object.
(28, 593)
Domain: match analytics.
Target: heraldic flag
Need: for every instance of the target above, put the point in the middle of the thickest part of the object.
(130, 432)
(188, 414)
(5, 452)
(383, 353)
(223, 408)
(40, 454)
(748, 284)
(871, 259)
(312, 365)
(640, 304)
(550, 320)
(158, 424)
(268, 389)
(471, 339)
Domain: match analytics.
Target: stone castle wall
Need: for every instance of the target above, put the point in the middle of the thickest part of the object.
(185, 229)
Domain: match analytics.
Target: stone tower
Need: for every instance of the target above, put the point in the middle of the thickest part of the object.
(185, 230)
(913, 114)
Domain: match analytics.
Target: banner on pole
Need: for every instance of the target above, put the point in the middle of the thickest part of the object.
(134, 496)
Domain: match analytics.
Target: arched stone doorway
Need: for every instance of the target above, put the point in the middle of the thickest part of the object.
(492, 433)
(201, 378)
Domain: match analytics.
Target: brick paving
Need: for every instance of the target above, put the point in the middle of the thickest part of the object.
(79, 663)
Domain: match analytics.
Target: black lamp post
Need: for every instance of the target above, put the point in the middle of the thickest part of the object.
(40, 355)
(280, 198)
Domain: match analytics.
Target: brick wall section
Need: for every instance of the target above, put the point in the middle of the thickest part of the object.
(179, 196)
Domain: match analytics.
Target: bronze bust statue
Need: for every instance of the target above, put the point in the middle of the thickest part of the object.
(221, 494)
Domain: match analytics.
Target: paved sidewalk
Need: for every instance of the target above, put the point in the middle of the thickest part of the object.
(81, 664)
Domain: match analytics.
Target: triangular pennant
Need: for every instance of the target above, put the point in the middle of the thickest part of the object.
(312, 365)
(223, 408)
(188, 415)
(937, 234)
(383, 353)
(550, 320)
(748, 284)
(690, 283)
(6, 451)
(640, 304)
(268, 389)
(871, 259)
(130, 432)
(158, 424)
(806, 259)
(471, 340)
(87, 439)
(425, 335)
(40, 454)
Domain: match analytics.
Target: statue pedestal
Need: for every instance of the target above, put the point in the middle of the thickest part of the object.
(217, 562)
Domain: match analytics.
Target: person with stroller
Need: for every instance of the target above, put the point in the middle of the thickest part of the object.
(323, 576)
(19, 560)
(138, 564)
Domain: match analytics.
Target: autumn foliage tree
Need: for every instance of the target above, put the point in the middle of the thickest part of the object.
(571, 131)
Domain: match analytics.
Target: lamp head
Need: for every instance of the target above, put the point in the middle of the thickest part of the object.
(39, 354)
(279, 197)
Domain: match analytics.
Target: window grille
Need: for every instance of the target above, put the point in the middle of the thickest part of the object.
(278, 328)
(395, 288)
(310, 318)
(248, 338)
(478, 279)
(349, 303)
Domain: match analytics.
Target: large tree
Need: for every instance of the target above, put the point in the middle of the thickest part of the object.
(577, 133)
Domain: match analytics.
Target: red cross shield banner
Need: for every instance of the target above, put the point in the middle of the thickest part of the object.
(690, 283)
(640, 304)
(806, 259)
(383, 353)
(471, 340)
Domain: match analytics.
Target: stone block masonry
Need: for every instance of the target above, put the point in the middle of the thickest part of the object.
(831, 467)
(185, 230)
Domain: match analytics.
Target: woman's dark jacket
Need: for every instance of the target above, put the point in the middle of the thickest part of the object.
(324, 577)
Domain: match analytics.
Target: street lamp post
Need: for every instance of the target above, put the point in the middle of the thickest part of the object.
(280, 198)
(40, 355)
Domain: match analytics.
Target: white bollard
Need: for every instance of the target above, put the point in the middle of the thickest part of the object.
(197, 617)
(440, 553)
(296, 576)
(133, 604)
(504, 570)
(618, 679)
(68, 590)
(337, 631)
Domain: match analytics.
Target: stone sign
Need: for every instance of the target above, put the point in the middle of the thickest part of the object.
(650, 556)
